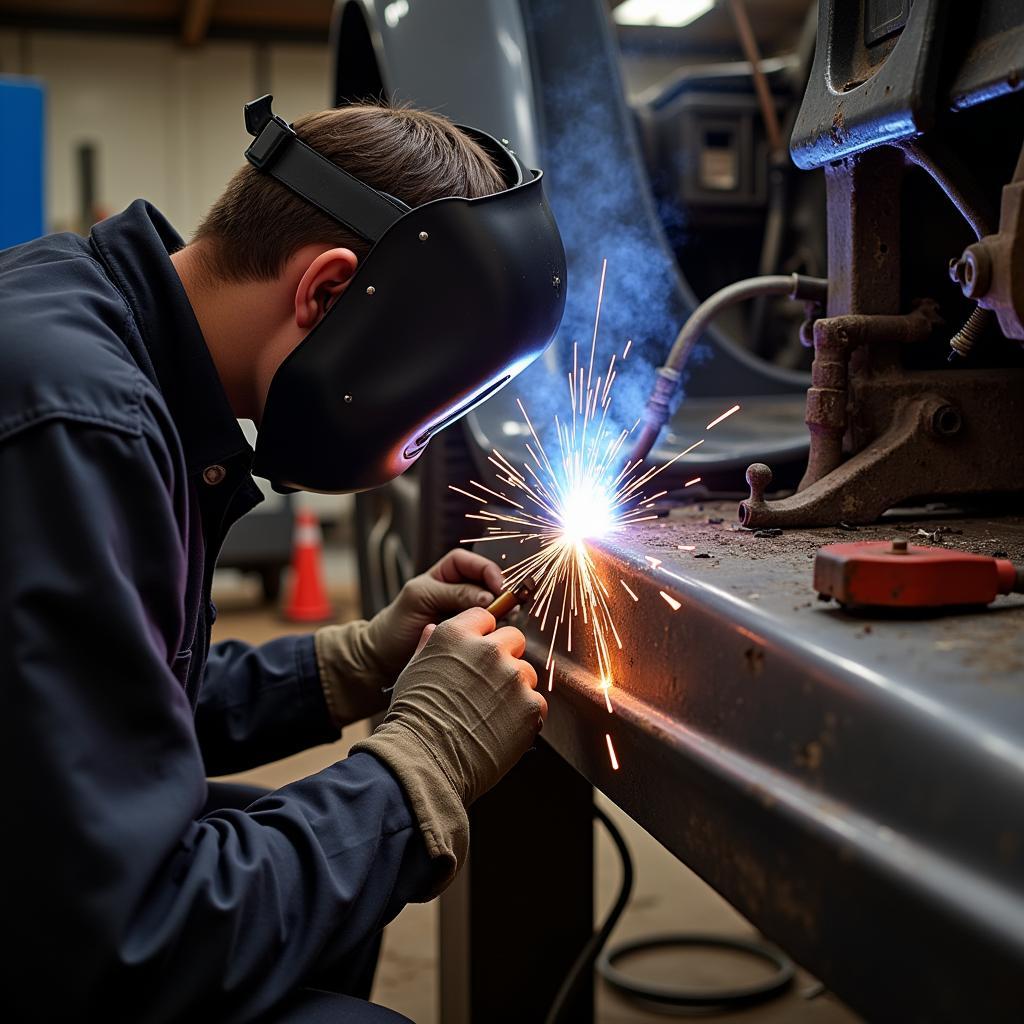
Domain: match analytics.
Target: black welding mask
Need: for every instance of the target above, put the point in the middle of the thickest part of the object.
(455, 298)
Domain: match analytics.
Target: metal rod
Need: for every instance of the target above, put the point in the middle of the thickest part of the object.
(512, 599)
(748, 41)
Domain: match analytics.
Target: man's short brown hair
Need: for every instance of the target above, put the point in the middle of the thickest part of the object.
(414, 155)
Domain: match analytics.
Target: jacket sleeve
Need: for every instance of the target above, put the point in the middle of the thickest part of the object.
(260, 703)
(127, 904)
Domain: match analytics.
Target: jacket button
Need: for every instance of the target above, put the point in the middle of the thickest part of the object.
(213, 475)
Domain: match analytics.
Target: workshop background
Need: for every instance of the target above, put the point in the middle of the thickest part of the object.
(144, 98)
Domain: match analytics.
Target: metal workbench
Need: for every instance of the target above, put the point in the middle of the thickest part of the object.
(854, 785)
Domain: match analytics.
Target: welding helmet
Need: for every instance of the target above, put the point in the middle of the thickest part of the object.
(455, 298)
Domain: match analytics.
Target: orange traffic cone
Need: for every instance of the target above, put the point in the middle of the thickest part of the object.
(307, 597)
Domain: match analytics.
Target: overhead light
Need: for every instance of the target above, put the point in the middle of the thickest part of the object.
(394, 12)
(663, 13)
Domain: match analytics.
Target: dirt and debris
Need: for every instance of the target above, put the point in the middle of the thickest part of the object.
(714, 525)
(938, 534)
(768, 531)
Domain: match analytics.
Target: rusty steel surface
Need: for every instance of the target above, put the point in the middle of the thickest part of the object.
(989, 270)
(835, 340)
(936, 436)
(854, 785)
(882, 434)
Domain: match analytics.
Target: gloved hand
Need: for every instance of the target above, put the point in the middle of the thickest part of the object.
(464, 711)
(358, 660)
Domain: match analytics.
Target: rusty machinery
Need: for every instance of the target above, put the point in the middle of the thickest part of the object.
(884, 428)
(902, 99)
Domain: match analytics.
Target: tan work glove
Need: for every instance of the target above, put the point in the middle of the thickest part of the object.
(464, 711)
(358, 660)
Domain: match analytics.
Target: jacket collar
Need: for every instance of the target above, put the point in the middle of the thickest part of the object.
(135, 246)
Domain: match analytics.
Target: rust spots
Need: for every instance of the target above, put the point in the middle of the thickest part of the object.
(811, 755)
(838, 129)
(753, 658)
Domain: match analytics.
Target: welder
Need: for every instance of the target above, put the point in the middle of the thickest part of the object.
(368, 276)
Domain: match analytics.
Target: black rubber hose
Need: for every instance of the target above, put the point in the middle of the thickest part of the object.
(592, 955)
(582, 970)
(725, 998)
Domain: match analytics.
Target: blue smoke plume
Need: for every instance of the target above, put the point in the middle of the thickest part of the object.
(598, 189)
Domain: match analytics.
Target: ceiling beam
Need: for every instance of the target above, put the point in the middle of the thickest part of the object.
(195, 21)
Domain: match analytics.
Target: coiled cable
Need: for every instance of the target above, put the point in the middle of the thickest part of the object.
(594, 954)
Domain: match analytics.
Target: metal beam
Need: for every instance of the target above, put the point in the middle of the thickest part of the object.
(854, 786)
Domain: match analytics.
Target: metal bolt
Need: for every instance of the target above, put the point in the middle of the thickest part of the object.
(947, 421)
(423, 236)
(973, 271)
(370, 290)
(213, 475)
(759, 476)
(348, 399)
(899, 546)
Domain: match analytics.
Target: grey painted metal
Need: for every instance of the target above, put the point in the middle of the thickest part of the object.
(466, 59)
(855, 787)
(864, 93)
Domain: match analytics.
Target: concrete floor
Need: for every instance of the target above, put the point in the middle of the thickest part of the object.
(666, 897)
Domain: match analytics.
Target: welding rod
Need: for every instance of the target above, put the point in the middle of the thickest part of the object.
(504, 603)
(500, 606)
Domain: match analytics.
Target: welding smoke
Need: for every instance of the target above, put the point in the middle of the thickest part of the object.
(598, 189)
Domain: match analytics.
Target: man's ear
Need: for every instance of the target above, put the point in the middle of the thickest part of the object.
(323, 281)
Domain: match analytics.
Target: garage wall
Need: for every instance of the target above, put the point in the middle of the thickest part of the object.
(166, 121)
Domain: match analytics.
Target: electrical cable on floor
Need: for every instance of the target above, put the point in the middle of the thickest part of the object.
(659, 997)
(581, 971)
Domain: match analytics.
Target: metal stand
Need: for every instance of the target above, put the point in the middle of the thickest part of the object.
(522, 908)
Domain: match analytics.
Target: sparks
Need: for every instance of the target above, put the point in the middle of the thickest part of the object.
(725, 415)
(690, 483)
(670, 601)
(605, 686)
(560, 498)
(611, 752)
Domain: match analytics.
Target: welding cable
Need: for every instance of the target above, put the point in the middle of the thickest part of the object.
(582, 970)
(594, 956)
(724, 998)
(659, 404)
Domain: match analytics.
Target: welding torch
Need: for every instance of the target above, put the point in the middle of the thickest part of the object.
(511, 599)
(501, 606)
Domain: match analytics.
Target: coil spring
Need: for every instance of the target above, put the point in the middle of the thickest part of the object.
(963, 341)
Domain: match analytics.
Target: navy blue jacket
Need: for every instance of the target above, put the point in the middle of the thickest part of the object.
(121, 899)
